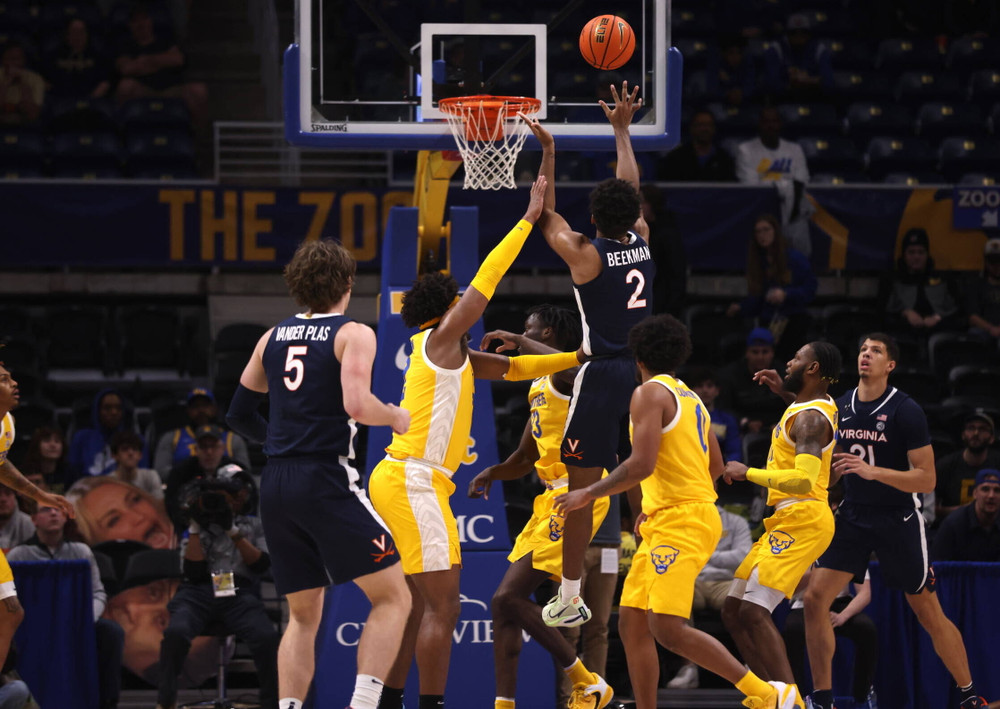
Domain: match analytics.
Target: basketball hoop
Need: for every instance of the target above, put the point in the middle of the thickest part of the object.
(490, 134)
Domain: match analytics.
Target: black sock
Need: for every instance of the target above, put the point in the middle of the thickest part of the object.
(822, 698)
(431, 701)
(966, 692)
(392, 698)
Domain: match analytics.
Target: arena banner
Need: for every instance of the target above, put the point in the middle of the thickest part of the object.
(471, 681)
(176, 225)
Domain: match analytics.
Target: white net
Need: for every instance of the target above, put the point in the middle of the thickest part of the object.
(490, 134)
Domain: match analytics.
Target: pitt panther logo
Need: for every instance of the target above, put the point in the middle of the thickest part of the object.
(385, 548)
(556, 525)
(663, 556)
(779, 541)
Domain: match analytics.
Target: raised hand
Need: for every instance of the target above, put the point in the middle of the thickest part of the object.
(545, 138)
(537, 202)
(509, 339)
(626, 105)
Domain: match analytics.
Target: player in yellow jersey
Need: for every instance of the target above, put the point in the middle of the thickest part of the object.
(675, 460)
(537, 553)
(411, 486)
(10, 476)
(797, 476)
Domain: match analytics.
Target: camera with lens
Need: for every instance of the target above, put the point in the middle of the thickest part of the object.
(215, 500)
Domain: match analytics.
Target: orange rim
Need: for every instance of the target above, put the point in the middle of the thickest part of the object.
(481, 114)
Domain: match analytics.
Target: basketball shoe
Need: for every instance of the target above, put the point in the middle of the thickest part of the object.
(973, 702)
(565, 615)
(596, 695)
(784, 696)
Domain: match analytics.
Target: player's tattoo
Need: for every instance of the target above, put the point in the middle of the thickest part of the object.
(12, 604)
(811, 433)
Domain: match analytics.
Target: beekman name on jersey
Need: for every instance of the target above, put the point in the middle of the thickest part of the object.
(627, 258)
(295, 333)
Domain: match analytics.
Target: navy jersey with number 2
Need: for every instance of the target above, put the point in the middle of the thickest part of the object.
(619, 297)
(307, 416)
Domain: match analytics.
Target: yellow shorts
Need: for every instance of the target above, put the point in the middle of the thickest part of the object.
(677, 542)
(794, 537)
(412, 499)
(542, 535)
(6, 578)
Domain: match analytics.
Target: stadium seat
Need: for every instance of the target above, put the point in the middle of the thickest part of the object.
(692, 23)
(941, 120)
(851, 86)
(54, 16)
(735, 122)
(15, 321)
(696, 52)
(979, 179)
(867, 119)
(155, 113)
(21, 150)
(954, 409)
(900, 154)
(943, 443)
(831, 155)
(755, 448)
(844, 324)
(914, 88)
(844, 177)
(33, 414)
(908, 54)
(150, 337)
(92, 115)
(974, 380)
(166, 413)
(963, 155)
(77, 338)
(830, 21)
(159, 152)
(708, 325)
(20, 352)
(950, 349)
(923, 177)
(802, 119)
(231, 349)
(921, 384)
(972, 53)
(850, 54)
(984, 89)
(85, 153)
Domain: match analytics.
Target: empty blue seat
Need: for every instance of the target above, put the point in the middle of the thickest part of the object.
(926, 177)
(909, 54)
(160, 152)
(980, 179)
(899, 154)
(80, 114)
(692, 23)
(866, 119)
(851, 86)
(851, 54)
(914, 88)
(843, 177)
(831, 155)
(962, 155)
(939, 120)
(154, 112)
(802, 119)
(984, 89)
(972, 53)
(21, 150)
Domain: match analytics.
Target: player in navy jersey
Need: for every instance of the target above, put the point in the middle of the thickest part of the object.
(612, 280)
(315, 369)
(886, 462)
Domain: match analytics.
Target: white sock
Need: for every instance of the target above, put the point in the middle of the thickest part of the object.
(569, 589)
(289, 703)
(367, 692)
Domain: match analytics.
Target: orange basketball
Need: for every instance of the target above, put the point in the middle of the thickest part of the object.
(607, 42)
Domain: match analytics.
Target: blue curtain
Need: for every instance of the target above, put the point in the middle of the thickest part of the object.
(910, 675)
(56, 641)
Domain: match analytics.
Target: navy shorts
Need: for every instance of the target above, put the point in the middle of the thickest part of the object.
(319, 525)
(602, 392)
(895, 535)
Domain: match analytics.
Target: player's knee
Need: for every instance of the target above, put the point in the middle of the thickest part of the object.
(502, 605)
(632, 625)
(670, 631)
(814, 599)
(751, 615)
(731, 613)
(305, 615)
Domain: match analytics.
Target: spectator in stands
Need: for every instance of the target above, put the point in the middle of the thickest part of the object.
(972, 532)
(126, 447)
(780, 286)
(797, 68)
(210, 455)
(46, 456)
(22, 91)
(983, 296)
(151, 65)
(667, 250)
(956, 472)
(725, 426)
(49, 543)
(77, 68)
(89, 451)
(175, 447)
(699, 159)
(849, 621)
(15, 526)
(732, 79)
(757, 407)
(919, 300)
(769, 159)
(108, 509)
(715, 579)
(223, 561)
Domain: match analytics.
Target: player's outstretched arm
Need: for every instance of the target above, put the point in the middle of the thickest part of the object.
(651, 405)
(620, 118)
(771, 379)
(355, 348)
(15, 480)
(921, 476)
(518, 464)
(457, 321)
(244, 415)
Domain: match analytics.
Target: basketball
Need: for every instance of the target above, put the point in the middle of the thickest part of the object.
(607, 42)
